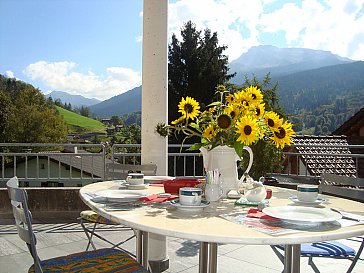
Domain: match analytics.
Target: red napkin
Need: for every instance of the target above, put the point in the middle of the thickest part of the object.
(155, 199)
(255, 213)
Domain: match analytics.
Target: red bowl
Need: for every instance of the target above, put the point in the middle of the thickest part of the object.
(173, 186)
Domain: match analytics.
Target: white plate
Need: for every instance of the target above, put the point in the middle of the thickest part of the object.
(302, 214)
(156, 179)
(175, 203)
(318, 201)
(122, 195)
(136, 187)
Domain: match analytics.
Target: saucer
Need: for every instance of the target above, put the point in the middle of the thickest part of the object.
(318, 201)
(136, 187)
(175, 203)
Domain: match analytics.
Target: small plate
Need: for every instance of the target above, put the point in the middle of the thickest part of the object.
(318, 201)
(175, 203)
(121, 195)
(136, 187)
(156, 179)
(303, 214)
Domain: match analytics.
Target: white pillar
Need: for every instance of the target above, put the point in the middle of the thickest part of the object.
(154, 102)
(154, 83)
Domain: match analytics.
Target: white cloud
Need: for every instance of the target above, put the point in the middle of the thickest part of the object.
(327, 25)
(9, 74)
(224, 17)
(62, 76)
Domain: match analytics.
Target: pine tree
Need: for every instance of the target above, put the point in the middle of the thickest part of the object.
(196, 66)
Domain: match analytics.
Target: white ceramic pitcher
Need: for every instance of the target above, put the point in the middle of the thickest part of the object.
(224, 159)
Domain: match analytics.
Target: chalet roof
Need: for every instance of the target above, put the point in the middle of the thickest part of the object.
(322, 159)
(352, 125)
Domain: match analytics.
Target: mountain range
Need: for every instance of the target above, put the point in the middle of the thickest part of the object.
(260, 60)
(75, 100)
(310, 83)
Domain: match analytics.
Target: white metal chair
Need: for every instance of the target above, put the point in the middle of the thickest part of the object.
(331, 249)
(101, 260)
(92, 223)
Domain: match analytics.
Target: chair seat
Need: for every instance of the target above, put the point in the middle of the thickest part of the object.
(102, 260)
(94, 217)
(331, 248)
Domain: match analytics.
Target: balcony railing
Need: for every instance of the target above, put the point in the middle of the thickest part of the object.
(38, 164)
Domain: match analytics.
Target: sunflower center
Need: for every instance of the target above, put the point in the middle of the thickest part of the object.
(258, 111)
(246, 102)
(247, 130)
(254, 96)
(281, 134)
(224, 121)
(271, 122)
(188, 108)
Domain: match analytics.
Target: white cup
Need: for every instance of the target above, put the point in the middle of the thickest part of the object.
(190, 196)
(135, 178)
(213, 192)
(307, 193)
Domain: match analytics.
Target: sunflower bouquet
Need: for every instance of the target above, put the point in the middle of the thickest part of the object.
(236, 120)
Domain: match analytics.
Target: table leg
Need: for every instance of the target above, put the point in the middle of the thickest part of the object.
(287, 258)
(203, 257)
(292, 255)
(142, 239)
(296, 257)
(139, 246)
(212, 257)
(145, 249)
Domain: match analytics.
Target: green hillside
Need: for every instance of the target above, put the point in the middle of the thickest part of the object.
(321, 100)
(81, 123)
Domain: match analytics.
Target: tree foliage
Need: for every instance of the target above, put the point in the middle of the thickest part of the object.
(196, 66)
(26, 116)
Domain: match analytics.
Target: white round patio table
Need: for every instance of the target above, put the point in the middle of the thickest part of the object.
(210, 230)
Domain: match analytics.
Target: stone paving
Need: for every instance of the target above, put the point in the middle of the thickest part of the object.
(64, 237)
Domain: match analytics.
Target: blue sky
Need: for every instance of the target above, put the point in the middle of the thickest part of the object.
(94, 47)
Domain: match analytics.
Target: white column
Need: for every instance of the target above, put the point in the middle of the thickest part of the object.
(154, 83)
(154, 100)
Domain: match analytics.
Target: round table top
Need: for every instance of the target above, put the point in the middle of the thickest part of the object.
(208, 226)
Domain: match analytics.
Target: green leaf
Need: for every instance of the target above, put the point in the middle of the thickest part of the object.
(195, 147)
(215, 103)
(238, 148)
(194, 126)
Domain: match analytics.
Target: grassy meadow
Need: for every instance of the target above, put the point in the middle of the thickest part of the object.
(78, 122)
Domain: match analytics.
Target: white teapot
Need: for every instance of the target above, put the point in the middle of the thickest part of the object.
(254, 190)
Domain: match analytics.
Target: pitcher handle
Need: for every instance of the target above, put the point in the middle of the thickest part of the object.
(250, 158)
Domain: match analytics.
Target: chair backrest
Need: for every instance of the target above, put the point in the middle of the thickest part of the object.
(23, 218)
(120, 171)
(343, 186)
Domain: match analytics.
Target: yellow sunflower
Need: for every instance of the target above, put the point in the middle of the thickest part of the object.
(258, 110)
(189, 108)
(284, 135)
(230, 99)
(248, 130)
(209, 132)
(242, 98)
(255, 94)
(272, 120)
(233, 111)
